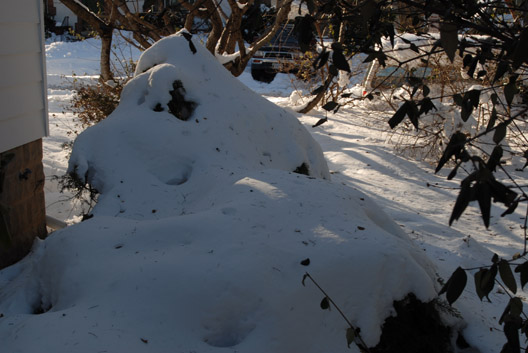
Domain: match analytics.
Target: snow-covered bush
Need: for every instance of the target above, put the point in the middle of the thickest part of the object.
(222, 107)
(203, 228)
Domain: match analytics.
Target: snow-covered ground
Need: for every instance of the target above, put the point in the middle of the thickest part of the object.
(196, 243)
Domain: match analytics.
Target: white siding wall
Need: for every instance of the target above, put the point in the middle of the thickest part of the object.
(23, 100)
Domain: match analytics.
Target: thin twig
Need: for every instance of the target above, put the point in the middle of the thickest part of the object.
(361, 344)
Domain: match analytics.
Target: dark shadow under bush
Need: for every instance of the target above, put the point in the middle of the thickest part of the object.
(178, 106)
(416, 328)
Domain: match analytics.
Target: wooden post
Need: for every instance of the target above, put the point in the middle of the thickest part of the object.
(22, 206)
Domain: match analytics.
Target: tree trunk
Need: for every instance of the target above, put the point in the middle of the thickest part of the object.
(217, 27)
(106, 52)
(104, 30)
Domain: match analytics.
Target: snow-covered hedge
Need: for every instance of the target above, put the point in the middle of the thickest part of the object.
(201, 228)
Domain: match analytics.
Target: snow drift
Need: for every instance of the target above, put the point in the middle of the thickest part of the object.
(200, 230)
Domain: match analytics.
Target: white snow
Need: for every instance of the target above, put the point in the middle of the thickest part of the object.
(201, 225)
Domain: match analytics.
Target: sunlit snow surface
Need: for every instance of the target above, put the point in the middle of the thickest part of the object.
(200, 229)
(201, 226)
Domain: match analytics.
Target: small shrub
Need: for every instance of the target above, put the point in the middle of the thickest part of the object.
(93, 103)
(82, 192)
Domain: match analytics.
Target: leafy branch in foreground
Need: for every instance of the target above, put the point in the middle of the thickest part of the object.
(486, 41)
(513, 318)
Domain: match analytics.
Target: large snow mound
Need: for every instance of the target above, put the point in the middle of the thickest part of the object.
(200, 230)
